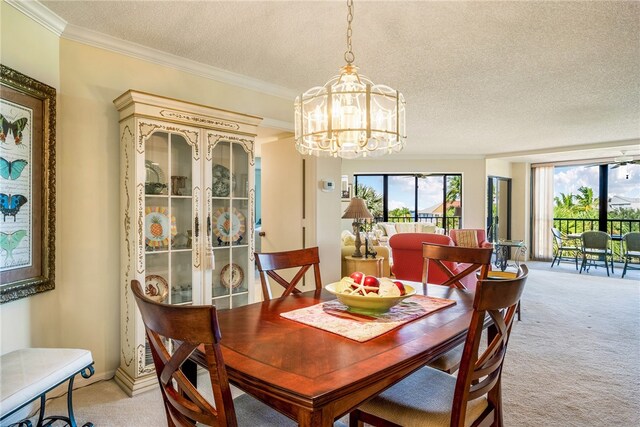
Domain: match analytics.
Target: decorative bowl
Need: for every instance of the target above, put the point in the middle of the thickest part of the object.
(154, 187)
(369, 304)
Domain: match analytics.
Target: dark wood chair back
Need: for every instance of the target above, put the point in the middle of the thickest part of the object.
(471, 259)
(480, 374)
(304, 259)
(186, 328)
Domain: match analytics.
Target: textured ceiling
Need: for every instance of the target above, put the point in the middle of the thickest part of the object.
(480, 78)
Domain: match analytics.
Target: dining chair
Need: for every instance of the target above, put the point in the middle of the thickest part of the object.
(470, 259)
(562, 243)
(631, 244)
(596, 246)
(435, 255)
(303, 259)
(187, 328)
(429, 397)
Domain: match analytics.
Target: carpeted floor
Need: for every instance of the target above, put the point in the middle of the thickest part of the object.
(572, 360)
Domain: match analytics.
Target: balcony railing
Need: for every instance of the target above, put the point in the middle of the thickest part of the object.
(616, 228)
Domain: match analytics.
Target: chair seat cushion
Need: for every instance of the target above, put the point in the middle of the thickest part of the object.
(448, 361)
(423, 399)
(592, 251)
(27, 373)
(251, 412)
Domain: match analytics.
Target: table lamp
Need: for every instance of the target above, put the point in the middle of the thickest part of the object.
(357, 210)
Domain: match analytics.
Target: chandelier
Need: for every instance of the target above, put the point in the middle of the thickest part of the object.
(349, 116)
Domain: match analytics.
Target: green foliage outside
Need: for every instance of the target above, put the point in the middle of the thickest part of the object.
(399, 214)
(584, 208)
(454, 189)
(372, 199)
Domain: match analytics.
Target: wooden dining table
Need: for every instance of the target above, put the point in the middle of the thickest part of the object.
(314, 376)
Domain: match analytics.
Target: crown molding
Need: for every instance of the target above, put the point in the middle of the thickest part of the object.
(45, 17)
(41, 14)
(277, 124)
(135, 50)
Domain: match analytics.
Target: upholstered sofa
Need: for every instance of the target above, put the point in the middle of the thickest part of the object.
(406, 251)
(384, 230)
(348, 246)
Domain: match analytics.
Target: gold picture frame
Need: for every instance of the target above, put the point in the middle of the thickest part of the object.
(27, 185)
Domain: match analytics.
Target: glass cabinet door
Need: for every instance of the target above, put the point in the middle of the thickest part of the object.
(169, 218)
(229, 225)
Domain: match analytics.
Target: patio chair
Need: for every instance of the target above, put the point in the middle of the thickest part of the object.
(429, 397)
(563, 244)
(631, 245)
(596, 246)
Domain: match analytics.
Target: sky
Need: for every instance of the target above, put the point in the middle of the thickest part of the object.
(402, 190)
(568, 179)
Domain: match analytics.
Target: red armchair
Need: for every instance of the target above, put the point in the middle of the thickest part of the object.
(406, 251)
(481, 237)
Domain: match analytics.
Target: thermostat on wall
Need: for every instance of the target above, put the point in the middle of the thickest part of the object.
(328, 185)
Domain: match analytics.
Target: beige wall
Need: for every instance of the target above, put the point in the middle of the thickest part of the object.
(521, 203)
(323, 215)
(84, 310)
(473, 179)
(498, 167)
(34, 51)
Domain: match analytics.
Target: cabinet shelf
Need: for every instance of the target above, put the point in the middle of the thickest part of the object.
(229, 247)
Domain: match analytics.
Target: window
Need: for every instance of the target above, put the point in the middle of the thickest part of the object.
(603, 197)
(435, 198)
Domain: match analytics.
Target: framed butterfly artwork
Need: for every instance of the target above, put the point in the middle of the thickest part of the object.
(27, 185)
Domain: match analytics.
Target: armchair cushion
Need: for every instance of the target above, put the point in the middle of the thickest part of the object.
(406, 227)
(467, 238)
(481, 237)
(428, 227)
(389, 229)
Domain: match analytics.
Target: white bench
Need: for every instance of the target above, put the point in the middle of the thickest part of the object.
(28, 374)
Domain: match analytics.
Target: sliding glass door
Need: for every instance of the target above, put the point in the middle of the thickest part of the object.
(498, 208)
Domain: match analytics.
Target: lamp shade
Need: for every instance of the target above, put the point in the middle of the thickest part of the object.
(357, 209)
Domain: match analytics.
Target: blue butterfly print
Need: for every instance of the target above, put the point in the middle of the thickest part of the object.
(15, 128)
(11, 170)
(10, 241)
(10, 205)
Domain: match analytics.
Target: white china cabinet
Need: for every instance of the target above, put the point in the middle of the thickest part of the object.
(186, 214)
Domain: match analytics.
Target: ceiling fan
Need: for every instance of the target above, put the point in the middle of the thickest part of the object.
(623, 161)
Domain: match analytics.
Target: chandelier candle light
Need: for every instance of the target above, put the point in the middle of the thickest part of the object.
(349, 116)
(357, 210)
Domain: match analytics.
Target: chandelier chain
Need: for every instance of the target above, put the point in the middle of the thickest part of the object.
(349, 55)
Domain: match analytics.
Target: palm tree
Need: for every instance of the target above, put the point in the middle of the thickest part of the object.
(586, 201)
(400, 213)
(565, 201)
(372, 199)
(453, 189)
